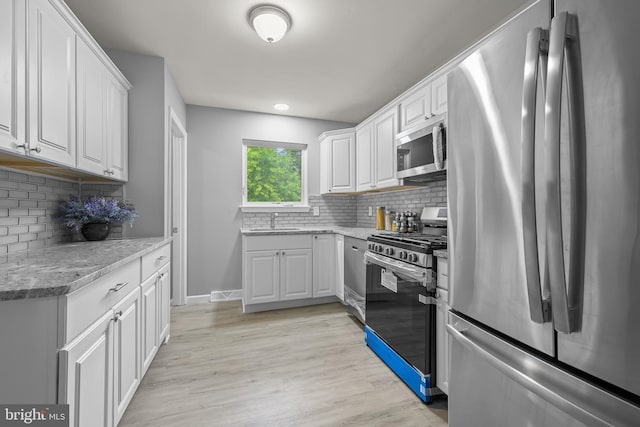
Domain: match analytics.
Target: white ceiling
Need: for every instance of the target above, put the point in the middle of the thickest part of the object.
(342, 59)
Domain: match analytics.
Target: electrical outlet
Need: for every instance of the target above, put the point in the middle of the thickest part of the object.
(370, 210)
(316, 211)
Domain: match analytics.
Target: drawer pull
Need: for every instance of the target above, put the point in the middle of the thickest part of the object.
(160, 276)
(117, 316)
(119, 286)
(161, 257)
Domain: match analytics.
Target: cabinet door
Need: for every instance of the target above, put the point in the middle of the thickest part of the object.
(324, 265)
(385, 153)
(339, 262)
(12, 60)
(439, 96)
(262, 276)
(296, 274)
(86, 375)
(127, 362)
(164, 302)
(117, 130)
(52, 84)
(342, 163)
(364, 159)
(442, 341)
(415, 108)
(150, 321)
(91, 102)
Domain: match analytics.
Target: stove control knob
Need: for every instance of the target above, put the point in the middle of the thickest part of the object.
(413, 257)
(402, 255)
(370, 246)
(389, 251)
(377, 248)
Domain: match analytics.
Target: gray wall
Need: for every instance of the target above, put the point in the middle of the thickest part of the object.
(215, 181)
(154, 90)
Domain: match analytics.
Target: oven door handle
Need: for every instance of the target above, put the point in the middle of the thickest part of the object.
(420, 274)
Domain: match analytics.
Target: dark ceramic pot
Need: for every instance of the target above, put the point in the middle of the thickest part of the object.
(94, 232)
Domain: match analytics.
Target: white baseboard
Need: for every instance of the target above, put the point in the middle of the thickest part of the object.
(235, 294)
(198, 299)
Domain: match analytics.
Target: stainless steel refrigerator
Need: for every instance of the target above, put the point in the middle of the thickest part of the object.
(544, 220)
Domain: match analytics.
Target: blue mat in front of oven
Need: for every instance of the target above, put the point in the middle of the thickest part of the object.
(411, 376)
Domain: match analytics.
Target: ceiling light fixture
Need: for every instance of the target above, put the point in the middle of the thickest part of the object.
(281, 107)
(270, 22)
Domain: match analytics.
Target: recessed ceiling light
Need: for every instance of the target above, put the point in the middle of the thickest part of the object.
(281, 107)
(270, 22)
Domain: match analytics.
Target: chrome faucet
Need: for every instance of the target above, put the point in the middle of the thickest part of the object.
(274, 215)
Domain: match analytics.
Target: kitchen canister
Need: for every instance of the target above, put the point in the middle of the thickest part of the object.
(380, 218)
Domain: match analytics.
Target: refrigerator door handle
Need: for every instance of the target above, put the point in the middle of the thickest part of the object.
(535, 63)
(565, 294)
(525, 380)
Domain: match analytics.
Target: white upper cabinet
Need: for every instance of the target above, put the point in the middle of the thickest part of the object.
(439, 96)
(117, 143)
(428, 100)
(385, 129)
(62, 101)
(365, 159)
(91, 102)
(52, 84)
(12, 81)
(338, 161)
(102, 118)
(376, 152)
(415, 108)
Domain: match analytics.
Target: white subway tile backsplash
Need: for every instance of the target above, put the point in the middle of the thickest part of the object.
(29, 209)
(352, 210)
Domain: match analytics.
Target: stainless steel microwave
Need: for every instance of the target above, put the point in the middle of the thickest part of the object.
(421, 151)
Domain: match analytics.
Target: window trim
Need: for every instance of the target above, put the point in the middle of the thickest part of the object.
(301, 206)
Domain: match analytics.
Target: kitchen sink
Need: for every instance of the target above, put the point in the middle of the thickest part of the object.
(275, 229)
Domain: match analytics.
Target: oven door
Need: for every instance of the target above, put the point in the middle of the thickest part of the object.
(399, 310)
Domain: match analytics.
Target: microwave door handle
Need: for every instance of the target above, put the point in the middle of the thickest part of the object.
(566, 295)
(534, 64)
(437, 147)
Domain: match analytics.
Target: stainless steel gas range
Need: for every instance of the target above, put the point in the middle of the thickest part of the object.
(400, 300)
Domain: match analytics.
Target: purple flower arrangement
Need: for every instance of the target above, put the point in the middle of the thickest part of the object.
(96, 210)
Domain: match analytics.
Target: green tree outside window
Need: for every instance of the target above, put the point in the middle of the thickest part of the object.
(274, 174)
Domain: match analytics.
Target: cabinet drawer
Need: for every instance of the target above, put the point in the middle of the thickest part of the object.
(87, 304)
(266, 243)
(153, 261)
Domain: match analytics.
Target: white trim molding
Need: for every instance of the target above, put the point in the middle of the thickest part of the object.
(198, 299)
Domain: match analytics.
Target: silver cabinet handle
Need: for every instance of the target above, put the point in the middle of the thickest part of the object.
(535, 62)
(160, 276)
(37, 149)
(567, 300)
(119, 286)
(117, 316)
(161, 257)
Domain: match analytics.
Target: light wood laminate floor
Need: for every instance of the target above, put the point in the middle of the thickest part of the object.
(298, 367)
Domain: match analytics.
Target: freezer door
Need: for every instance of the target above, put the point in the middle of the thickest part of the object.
(516, 388)
(485, 184)
(607, 343)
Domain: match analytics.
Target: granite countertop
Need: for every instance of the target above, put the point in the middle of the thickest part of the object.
(357, 232)
(67, 267)
(441, 253)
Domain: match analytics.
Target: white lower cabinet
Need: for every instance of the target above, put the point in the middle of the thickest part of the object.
(87, 380)
(101, 366)
(127, 360)
(295, 274)
(324, 265)
(150, 321)
(286, 268)
(339, 261)
(442, 340)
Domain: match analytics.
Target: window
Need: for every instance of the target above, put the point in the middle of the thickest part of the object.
(274, 175)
